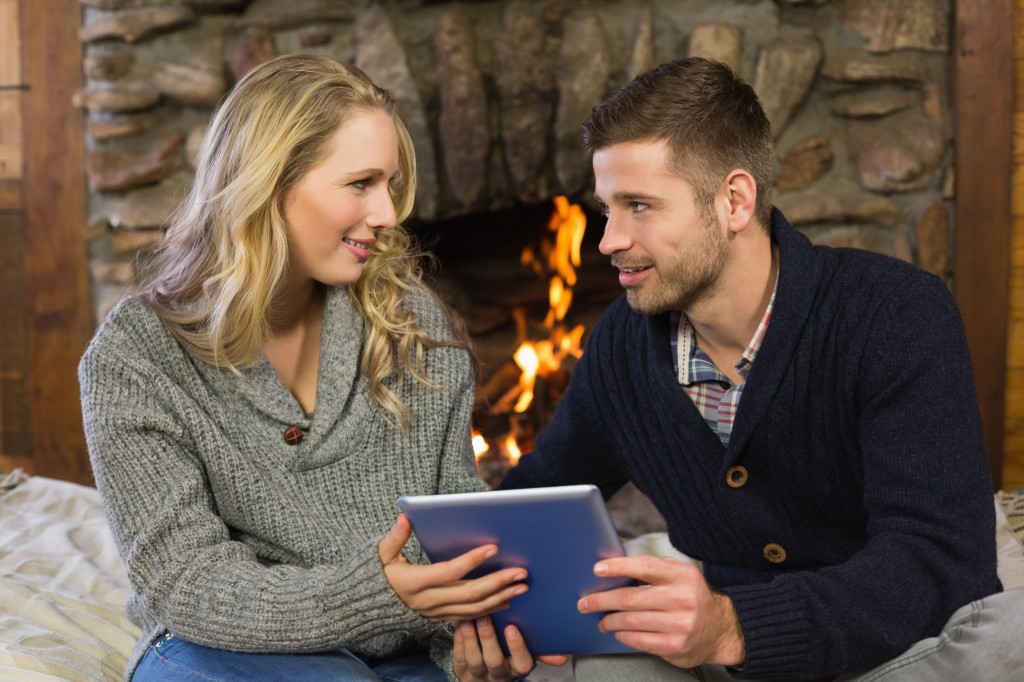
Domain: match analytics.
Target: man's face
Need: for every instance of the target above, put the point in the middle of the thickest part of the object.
(669, 251)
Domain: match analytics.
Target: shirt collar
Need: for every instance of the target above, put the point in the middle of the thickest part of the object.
(687, 343)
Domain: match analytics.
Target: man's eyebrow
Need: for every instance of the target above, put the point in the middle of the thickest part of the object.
(626, 197)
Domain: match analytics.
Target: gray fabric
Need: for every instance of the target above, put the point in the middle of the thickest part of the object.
(233, 538)
(981, 642)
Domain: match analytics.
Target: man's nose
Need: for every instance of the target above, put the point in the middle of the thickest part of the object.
(615, 237)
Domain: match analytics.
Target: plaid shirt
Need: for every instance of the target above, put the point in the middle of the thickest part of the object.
(709, 389)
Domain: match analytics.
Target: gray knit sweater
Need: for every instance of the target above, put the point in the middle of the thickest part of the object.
(232, 537)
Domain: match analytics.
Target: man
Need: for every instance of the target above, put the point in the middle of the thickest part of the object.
(803, 417)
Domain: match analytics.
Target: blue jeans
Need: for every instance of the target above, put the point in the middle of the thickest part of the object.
(172, 659)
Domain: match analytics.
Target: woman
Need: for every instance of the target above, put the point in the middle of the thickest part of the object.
(253, 415)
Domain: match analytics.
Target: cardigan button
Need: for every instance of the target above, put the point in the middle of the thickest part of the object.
(736, 476)
(774, 553)
(293, 435)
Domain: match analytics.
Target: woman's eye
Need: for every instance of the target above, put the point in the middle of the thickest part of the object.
(360, 184)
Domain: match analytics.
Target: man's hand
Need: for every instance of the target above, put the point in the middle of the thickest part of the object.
(675, 615)
(437, 591)
(477, 654)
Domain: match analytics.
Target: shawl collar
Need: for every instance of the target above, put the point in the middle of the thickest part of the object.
(799, 273)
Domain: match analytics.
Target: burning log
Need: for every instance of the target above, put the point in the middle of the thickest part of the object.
(498, 385)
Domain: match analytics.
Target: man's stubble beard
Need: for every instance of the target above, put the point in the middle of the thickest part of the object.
(684, 282)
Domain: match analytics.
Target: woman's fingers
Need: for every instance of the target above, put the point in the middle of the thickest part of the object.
(440, 591)
(474, 659)
(477, 653)
(520, 658)
(390, 546)
(453, 603)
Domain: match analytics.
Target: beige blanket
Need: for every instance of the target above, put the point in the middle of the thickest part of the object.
(62, 587)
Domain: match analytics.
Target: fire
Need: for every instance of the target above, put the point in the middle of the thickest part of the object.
(480, 446)
(527, 359)
(512, 449)
(569, 223)
(541, 360)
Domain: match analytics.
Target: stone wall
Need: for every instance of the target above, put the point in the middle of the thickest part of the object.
(858, 92)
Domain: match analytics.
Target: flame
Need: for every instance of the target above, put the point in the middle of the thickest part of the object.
(557, 259)
(569, 224)
(512, 449)
(545, 357)
(526, 358)
(480, 446)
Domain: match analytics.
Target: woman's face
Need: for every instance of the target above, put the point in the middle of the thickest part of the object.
(334, 213)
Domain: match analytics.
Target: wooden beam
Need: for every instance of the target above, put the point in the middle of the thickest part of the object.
(9, 463)
(10, 92)
(983, 66)
(58, 305)
(15, 420)
(15, 430)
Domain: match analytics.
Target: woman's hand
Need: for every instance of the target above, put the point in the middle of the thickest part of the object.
(477, 654)
(438, 591)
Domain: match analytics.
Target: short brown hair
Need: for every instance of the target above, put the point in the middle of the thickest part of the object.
(710, 118)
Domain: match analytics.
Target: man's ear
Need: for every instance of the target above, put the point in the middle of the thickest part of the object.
(738, 194)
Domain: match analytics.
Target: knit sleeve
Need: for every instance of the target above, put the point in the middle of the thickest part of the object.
(187, 572)
(929, 545)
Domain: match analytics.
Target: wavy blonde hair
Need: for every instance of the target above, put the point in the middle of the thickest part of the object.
(225, 254)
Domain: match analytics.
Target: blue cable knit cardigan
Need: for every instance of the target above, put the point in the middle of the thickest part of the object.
(859, 428)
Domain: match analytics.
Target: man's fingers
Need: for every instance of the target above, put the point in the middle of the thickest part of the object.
(646, 569)
(643, 597)
(656, 574)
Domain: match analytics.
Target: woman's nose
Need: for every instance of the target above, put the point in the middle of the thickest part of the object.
(382, 215)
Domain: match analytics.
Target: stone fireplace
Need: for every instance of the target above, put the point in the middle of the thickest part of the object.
(493, 92)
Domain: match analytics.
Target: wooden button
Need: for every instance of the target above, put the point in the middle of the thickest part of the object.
(293, 435)
(736, 476)
(774, 553)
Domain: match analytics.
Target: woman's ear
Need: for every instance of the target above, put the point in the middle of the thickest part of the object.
(739, 198)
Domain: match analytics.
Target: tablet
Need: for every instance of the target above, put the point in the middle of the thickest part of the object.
(556, 533)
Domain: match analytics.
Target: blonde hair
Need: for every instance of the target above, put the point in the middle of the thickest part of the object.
(225, 254)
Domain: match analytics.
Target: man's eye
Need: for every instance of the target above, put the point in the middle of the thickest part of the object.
(639, 206)
(603, 209)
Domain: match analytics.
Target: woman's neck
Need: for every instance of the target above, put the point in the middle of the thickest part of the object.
(294, 304)
(293, 348)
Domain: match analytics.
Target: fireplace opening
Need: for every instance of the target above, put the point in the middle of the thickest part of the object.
(529, 283)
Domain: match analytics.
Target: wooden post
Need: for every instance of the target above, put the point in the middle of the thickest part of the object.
(58, 302)
(983, 89)
(15, 432)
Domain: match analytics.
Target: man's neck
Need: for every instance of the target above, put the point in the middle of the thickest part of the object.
(725, 324)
